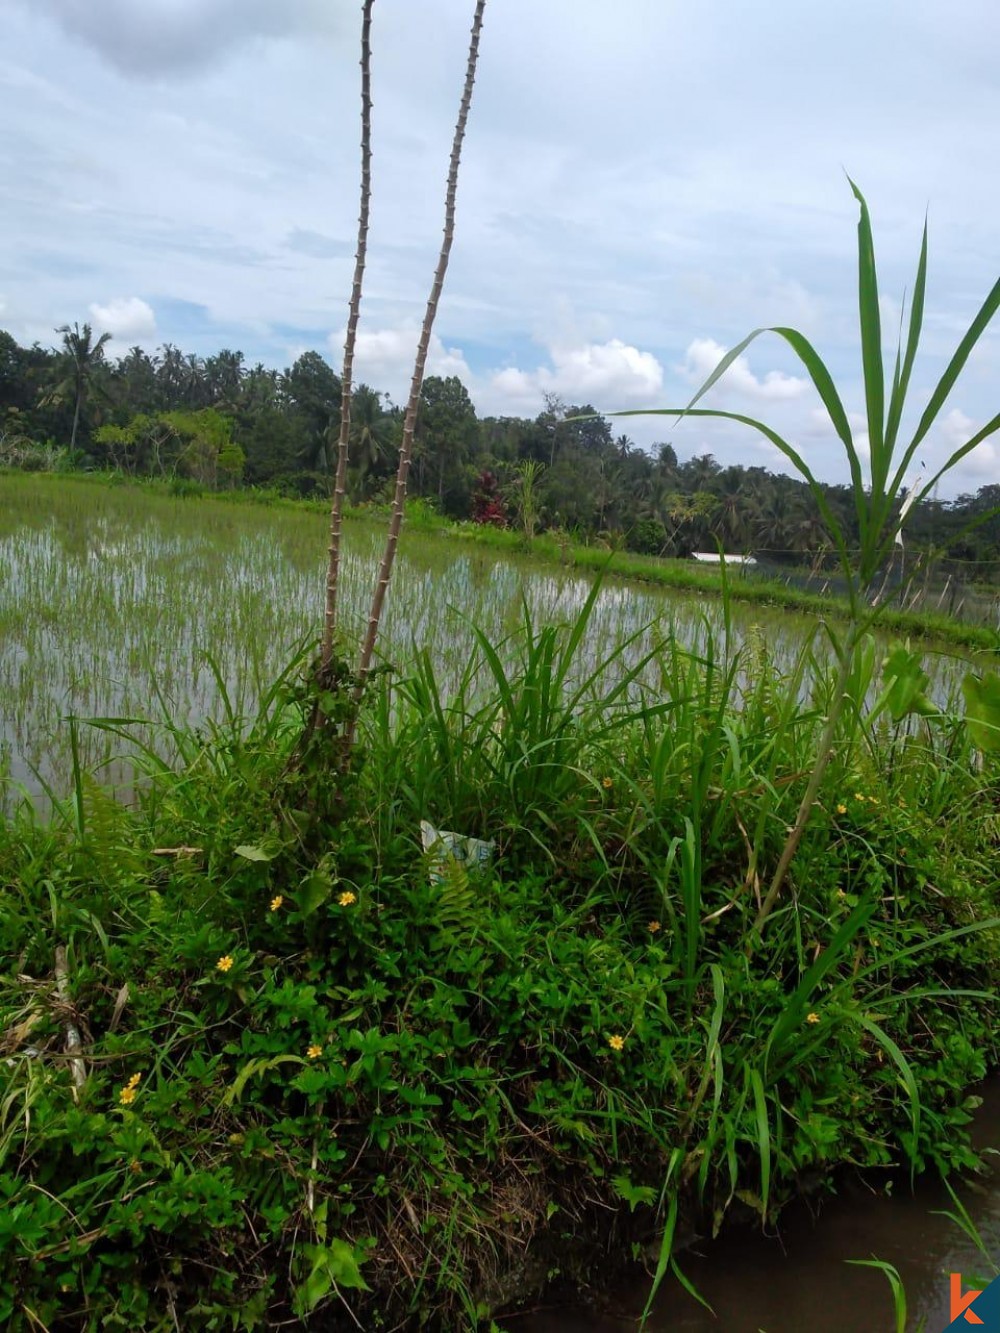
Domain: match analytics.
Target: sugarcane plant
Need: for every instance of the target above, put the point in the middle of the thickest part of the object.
(881, 500)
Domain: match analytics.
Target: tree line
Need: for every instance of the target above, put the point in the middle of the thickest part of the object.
(216, 421)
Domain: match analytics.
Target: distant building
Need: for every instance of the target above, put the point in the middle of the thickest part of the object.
(714, 558)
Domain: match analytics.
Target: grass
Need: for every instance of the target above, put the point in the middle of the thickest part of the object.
(117, 596)
(322, 1081)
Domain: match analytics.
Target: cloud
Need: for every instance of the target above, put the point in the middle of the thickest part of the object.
(384, 358)
(956, 428)
(704, 354)
(316, 245)
(161, 36)
(983, 463)
(126, 317)
(611, 374)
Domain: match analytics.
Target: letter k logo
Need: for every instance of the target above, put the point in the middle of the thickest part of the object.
(960, 1301)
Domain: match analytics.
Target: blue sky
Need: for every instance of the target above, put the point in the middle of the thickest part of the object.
(642, 184)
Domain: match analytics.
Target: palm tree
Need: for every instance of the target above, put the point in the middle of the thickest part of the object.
(371, 433)
(79, 359)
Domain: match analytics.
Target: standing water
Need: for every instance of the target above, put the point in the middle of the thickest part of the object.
(801, 1277)
(118, 602)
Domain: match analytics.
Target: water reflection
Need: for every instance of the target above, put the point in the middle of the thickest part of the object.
(111, 601)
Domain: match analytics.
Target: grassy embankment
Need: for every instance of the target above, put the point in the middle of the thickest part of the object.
(321, 1078)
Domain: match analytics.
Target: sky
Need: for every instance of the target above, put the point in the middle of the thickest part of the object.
(643, 183)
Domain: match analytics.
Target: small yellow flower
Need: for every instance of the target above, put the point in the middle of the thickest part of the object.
(276, 902)
(134, 1081)
(841, 809)
(224, 963)
(347, 898)
(653, 927)
(859, 796)
(841, 893)
(616, 1041)
(314, 1051)
(812, 1018)
(127, 1096)
(607, 783)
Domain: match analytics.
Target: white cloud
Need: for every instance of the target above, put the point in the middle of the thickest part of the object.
(982, 465)
(610, 375)
(704, 354)
(384, 358)
(956, 428)
(125, 318)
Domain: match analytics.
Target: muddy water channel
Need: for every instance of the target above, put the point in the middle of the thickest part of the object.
(801, 1278)
(119, 603)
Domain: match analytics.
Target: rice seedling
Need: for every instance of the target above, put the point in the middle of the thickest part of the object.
(115, 596)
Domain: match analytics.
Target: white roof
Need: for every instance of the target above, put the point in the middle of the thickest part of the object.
(713, 558)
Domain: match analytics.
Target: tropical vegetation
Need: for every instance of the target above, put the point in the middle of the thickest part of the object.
(141, 411)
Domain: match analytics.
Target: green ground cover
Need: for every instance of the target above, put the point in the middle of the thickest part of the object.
(324, 1078)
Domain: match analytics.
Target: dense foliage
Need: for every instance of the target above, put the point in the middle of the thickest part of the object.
(322, 1071)
(219, 422)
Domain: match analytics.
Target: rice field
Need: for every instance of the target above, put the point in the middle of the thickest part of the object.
(122, 602)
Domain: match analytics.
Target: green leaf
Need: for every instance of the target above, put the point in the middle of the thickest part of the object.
(871, 346)
(901, 382)
(251, 853)
(905, 683)
(982, 709)
(763, 1138)
(261, 1065)
(633, 1195)
(313, 892)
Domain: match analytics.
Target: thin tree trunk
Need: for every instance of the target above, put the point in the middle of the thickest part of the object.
(823, 757)
(343, 442)
(406, 447)
(76, 419)
(73, 1045)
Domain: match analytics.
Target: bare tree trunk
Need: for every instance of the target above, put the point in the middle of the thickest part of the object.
(74, 1045)
(343, 442)
(409, 422)
(76, 420)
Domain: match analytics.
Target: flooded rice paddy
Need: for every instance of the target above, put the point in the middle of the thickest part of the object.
(118, 602)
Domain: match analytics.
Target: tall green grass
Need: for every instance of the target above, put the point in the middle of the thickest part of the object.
(574, 1050)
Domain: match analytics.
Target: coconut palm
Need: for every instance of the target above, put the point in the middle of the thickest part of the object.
(77, 363)
(372, 431)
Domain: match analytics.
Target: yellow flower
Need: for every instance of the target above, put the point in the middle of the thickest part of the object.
(841, 893)
(224, 963)
(347, 898)
(616, 1042)
(134, 1081)
(607, 783)
(653, 927)
(127, 1096)
(276, 902)
(314, 1051)
(859, 796)
(841, 809)
(812, 1018)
